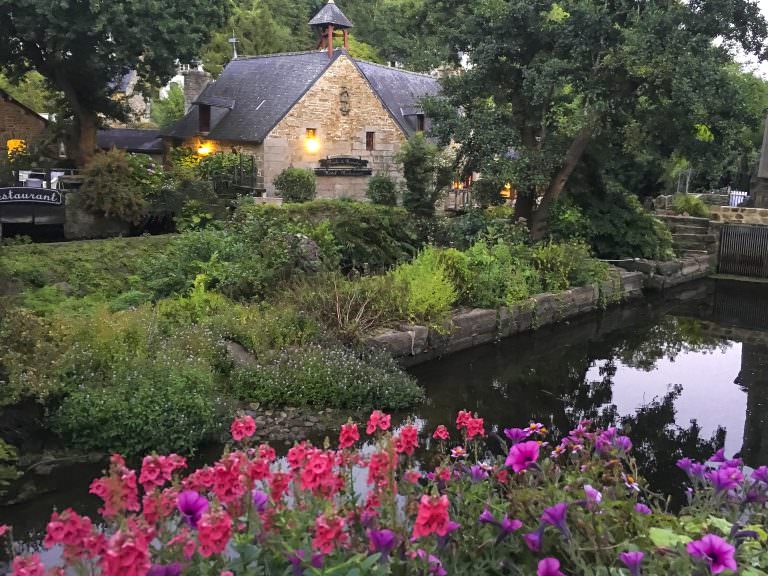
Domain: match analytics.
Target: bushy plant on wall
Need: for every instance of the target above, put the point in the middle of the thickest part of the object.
(382, 189)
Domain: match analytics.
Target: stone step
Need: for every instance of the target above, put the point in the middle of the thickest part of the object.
(690, 229)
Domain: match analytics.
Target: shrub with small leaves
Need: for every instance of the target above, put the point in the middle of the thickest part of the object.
(296, 185)
(382, 189)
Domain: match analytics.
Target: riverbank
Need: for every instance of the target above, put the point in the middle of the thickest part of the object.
(467, 328)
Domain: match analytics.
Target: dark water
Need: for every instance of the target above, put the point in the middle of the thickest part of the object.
(685, 374)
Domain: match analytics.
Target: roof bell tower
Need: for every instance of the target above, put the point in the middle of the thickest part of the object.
(326, 22)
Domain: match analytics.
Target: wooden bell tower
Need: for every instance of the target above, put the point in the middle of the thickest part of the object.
(327, 23)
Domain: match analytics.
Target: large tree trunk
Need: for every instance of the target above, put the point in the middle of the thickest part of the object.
(572, 158)
(524, 205)
(86, 125)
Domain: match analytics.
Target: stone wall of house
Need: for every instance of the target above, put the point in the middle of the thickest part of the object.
(341, 131)
(16, 121)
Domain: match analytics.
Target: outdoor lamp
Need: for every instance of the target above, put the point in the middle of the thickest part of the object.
(204, 149)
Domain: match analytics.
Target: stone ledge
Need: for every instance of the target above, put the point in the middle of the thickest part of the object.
(473, 327)
(658, 275)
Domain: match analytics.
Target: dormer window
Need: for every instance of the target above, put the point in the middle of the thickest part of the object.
(204, 118)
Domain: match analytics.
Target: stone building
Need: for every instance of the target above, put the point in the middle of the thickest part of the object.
(19, 125)
(323, 110)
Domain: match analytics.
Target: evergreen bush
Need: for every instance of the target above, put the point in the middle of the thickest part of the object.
(382, 189)
(296, 185)
(110, 188)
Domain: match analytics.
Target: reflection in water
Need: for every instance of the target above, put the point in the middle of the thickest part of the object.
(677, 381)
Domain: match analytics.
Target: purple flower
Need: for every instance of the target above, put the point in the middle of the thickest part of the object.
(533, 540)
(509, 525)
(718, 456)
(643, 509)
(192, 506)
(594, 497)
(165, 570)
(760, 474)
(435, 566)
(487, 518)
(381, 541)
(624, 444)
(516, 435)
(522, 456)
(555, 516)
(714, 551)
(632, 561)
(477, 473)
(724, 479)
(259, 499)
(549, 567)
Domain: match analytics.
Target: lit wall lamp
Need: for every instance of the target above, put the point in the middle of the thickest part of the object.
(204, 149)
(311, 142)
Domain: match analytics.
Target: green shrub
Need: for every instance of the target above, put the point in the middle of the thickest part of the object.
(328, 377)
(110, 188)
(618, 226)
(128, 300)
(350, 309)
(487, 192)
(263, 328)
(382, 189)
(690, 205)
(8, 470)
(366, 237)
(430, 294)
(561, 265)
(500, 274)
(296, 185)
(146, 407)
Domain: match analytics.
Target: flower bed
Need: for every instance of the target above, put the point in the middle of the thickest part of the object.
(575, 507)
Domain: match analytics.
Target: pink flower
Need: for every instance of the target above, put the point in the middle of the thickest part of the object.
(463, 418)
(4, 528)
(432, 516)
(213, 532)
(549, 567)
(243, 427)
(441, 433)
(329, 533)
(127, 554)
(378, 420)
(348, 435)
(119, 490)
(522, 456)
(714, 551)
(28, 566)
(407, 440)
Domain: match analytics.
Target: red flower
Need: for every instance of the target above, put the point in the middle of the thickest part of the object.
(329, 532)
(127, 554)
(432, 517)
(28, 566)
(462, 420)
(348, 435)
(407, 441)
(475, 427)
(119, 490)
(378, 469)
(243, 427)
(441, 433)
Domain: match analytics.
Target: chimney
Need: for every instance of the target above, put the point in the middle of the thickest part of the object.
(195, 81)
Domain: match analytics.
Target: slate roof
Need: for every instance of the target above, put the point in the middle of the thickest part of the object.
(331, 14)
(130, 140)
(253, 94)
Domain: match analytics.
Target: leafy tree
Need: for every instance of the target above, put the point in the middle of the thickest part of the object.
(84, 48)
(31, 90)
(550, 79)
(166, 111)
(420, 160)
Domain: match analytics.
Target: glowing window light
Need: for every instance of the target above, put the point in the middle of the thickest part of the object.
(15, 146)
(311, 142)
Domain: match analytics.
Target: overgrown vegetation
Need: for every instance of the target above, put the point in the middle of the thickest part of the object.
(296, 185)
(690, 205)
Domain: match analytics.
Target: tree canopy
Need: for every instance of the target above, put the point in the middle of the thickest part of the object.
(548, 79)
(84, 48)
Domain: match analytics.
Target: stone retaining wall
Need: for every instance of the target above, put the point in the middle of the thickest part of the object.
(739, 215)
(663, 275)
(468, 328)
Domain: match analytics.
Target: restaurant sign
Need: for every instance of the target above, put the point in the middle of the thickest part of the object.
(343, 166)
(20, 195)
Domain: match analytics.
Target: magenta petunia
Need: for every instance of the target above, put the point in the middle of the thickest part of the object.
(549, 567)
(724, 479)
(192, 506)
(555, 516)
(632, 560)
(522, 456)
(714, 551)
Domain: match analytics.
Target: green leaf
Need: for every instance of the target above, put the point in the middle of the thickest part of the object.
(720, 523)
(666, 538)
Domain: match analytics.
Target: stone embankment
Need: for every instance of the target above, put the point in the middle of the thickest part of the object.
(412, 344)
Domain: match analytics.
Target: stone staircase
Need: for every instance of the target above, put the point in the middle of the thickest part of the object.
(691, 236)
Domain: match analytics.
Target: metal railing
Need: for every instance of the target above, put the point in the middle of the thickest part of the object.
(744, 250)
